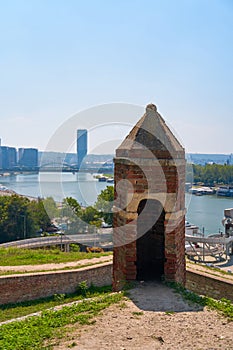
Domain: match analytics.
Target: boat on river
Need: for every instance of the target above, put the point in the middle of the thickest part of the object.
(102, 178)
(191, 229)
(225, 191)
(200, 191)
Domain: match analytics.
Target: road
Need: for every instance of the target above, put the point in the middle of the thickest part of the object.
(99, 240)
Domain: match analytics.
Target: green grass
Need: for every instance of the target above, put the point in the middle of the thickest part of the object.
(40, 331)
(17, 257)
(10, 311)
(137, 313)
(224, 306)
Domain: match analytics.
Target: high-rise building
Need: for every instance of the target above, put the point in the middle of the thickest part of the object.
(8, 159)
(12, 157)
(3, 157)
(28, 157)
(231, 159)
(81, 146)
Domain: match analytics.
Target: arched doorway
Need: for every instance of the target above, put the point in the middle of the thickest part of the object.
(150, 241)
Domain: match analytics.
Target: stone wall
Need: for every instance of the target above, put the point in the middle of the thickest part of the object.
(212, 286)
(26, 287)
(17, 288)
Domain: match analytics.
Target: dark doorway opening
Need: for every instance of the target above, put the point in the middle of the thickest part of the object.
(150, 241)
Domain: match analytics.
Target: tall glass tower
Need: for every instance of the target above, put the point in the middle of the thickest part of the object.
(81, 146)
(28, 157)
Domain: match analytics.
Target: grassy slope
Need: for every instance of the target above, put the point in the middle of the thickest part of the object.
(33, 332)
(16, 257)
(10, 311)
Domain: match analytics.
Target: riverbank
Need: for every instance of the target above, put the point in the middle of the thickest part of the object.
(205, 211)
(11, 193)
(81, 186)
(7, 193)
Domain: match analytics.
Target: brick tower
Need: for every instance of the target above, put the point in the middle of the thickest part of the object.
(149, 211)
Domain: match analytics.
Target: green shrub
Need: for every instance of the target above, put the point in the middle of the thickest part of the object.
(82, 288)
(74, 247)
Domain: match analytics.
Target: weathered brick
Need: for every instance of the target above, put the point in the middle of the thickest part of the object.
(156, 170)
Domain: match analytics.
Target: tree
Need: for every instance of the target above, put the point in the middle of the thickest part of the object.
(73, 204)
(104, 204)
(50, 207)
(70, 216)
(18, 224)
(15, 218)
(20, 218)
(80, 218)
(212, 174)
(91, 216)
(39, 215)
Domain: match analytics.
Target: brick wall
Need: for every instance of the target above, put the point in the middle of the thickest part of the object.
(212, 286)
(153, 181)
(25, 287)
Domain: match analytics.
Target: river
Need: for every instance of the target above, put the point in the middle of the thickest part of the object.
(83, 186)
(203, 211)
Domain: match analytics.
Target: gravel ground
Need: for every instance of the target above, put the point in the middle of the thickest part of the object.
(154, 317)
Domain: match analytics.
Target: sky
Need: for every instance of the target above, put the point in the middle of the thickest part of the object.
(62, 57)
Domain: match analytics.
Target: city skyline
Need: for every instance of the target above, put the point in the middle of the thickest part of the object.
(12, 158)
(30, 158)
(89, 153)
(61, 58)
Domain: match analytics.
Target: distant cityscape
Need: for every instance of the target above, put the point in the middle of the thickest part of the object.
(203, 159)
(30, 159)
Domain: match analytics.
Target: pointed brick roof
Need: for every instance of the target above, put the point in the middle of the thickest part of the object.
(151, 137)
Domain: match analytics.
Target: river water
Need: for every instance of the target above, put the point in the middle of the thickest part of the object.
(203, 211)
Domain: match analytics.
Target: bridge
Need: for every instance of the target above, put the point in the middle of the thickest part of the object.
(65, 167)
(58, 167)
(102, 240)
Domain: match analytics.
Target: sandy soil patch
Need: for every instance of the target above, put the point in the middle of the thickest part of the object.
(153, 318)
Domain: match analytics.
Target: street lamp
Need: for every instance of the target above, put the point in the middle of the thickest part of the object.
(24, 226)
(61, 233)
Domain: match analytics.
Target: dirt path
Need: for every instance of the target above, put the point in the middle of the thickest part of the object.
(55, 266)
(153, 318)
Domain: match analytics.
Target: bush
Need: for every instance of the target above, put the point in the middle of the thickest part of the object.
(74, 247)
(82, 288)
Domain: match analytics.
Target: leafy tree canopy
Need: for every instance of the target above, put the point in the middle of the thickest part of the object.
(20, 218)
(213, 174)
(104, 204)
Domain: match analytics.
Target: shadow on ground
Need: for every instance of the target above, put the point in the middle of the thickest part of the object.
(156, 296)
